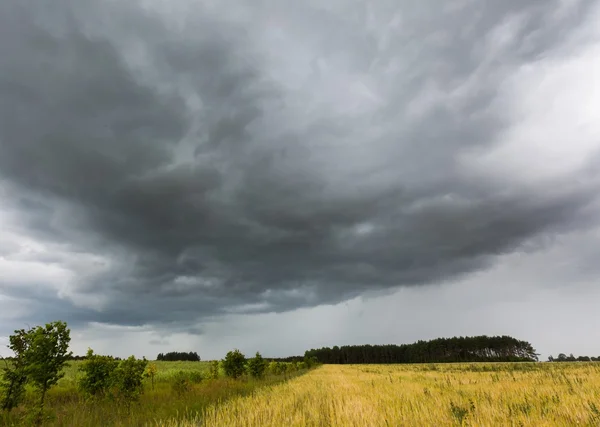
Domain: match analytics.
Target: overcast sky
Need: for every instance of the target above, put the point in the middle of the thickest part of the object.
(181, 175)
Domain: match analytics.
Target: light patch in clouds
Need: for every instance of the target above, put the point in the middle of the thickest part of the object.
(552, 104)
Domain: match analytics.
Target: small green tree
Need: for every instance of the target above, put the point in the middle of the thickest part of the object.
(234, 364)
(257, 366)
(276, 368)
(213, 372)
(97, 374)
(14, 375)
(45, 358)
(311, 361)
(128, 379)
(151, 371)
(181, 384)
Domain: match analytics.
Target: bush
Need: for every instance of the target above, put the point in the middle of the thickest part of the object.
(98, 374)
(151, 371)
(128, 379)
(276, 368)
(213, 372)
(234, 364)
(195, 377)
(14, 376)
(257, 366)
(181, 384)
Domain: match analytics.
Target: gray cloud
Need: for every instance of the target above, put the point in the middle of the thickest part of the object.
(183, 165)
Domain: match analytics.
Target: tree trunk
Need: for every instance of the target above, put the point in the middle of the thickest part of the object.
(40, 415)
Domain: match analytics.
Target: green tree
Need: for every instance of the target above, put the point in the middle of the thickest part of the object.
(213, 372)
(128, 379)
(45, 358)
(276, 368)
(181, 384)
(151, 371)
(234, 364)
(14, 375)
(98, 372)
(257, 366)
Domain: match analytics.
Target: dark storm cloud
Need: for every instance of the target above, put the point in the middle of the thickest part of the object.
(212, 176)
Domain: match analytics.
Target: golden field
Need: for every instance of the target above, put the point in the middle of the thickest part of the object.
(502, 394)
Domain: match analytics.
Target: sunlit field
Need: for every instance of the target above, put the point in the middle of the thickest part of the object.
(525, 394)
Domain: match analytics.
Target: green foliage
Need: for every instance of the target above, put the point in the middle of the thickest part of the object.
(196, 377)
(181, 384)
(276, 368)
(14, 376)
(70, 407)
(47, 354)
(128, 378)
(257, 366)
(45, 358)
(234, 364)
(98, 372)
(213, 372)
(173, 356)
(151, 371)
(310, 361)
(440, 350)
(121, 380)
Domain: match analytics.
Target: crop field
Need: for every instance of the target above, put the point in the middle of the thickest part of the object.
(473, 394)
(503, 394)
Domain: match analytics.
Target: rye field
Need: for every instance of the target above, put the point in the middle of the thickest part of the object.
(482, 394)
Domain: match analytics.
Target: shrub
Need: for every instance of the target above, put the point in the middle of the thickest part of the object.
(14, 376)
(213, 372)
(151, 371)
(276, 368)
(98, 374)
(128, 379)
(234, 364)
(257, 366)
(181, 384)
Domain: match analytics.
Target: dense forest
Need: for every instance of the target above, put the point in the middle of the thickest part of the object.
(440, 350)
(173, 356)
(289, 359)
(570, 358)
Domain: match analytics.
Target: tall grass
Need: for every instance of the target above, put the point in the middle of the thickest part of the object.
(541, 394)
(69, 407)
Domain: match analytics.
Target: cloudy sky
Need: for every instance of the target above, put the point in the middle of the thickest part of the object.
(281, 175)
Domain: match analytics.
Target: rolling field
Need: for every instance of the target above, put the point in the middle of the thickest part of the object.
(526, 394)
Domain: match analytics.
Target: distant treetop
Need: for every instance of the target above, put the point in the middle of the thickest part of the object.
(172, 356)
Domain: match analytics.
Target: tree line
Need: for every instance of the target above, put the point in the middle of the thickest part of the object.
(174, 356)
(570, 358)
(440, 350)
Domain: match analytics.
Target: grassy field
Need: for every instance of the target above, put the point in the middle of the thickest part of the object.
(68, 407)
(527, 394)
(480, 394)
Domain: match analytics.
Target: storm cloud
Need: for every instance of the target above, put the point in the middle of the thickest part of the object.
(167, 163)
